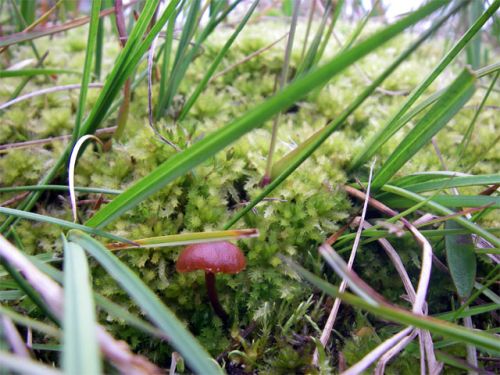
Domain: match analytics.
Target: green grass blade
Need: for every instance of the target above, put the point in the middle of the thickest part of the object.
(284, 167)
(59, 188)
(374, 144)
(461, 260)
(87, 66)
(398, 315)
(452, 181)
(450, 201)
(468, 133)
(62, 223)
(434, 120)
(181, 339)
(80, 350)
(215, 64)
(182, 162)
(35, 72)
(473, 228)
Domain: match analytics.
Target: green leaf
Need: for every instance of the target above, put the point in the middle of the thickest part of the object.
(81, 353)
(472, 227)
(63, 223)
(182, 162)
(399, 315)
(457, 94)
(180, 338)
(461, 260)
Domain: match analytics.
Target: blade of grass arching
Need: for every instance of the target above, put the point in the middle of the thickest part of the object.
(186, 238)
(398, 315)
(452, 181)
(87, 66)
(125, 64)
(293, 160)
(381, 137)
(455, 97)
(29, 323)
(468, 133)
(472, 227)
(181, 339)
(21, 365)
(182, 162)
(62, 223)
(487, 70)
(450, 201)
(281, 164)
(34, 72)
(80, 349)
(216, 62)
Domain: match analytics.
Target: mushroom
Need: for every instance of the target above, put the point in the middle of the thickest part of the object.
(213, 257)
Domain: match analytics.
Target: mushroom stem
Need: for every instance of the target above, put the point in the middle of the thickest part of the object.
(214, 299)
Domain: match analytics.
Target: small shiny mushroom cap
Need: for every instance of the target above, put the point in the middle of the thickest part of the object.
(211, 257)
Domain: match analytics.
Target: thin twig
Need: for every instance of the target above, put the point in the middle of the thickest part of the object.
(38, 142)
(47, 91)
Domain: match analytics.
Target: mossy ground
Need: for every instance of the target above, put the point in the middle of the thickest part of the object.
(309, 206)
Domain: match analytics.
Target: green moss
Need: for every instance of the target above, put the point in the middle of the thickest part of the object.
(301, 214)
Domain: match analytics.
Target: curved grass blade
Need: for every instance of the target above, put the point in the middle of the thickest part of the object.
(457, 94)
(186, 238)
(398, 315)
(452, 181)
(473, 228)
(450, 201)
(81, 349)
(59, 188)
(63, 223)
(182, 162)
(288, 164)
(181, 339)
(381, 137)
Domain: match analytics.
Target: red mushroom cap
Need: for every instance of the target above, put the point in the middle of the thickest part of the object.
(212, 257)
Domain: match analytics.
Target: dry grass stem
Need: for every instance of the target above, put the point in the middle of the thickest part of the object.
(117, 352)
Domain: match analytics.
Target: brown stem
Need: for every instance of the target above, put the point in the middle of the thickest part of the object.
(214, 300)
